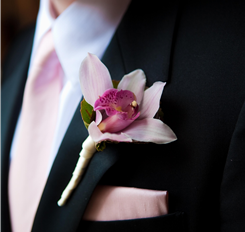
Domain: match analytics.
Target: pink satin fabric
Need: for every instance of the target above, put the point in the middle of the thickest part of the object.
(110, 203)
(29, 166)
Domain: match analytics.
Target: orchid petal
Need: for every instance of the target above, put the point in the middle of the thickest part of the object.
(150, 130)
(98, 117)
(151, 100)
(98, 136)
(116, 123)
(106, 101)
(124, 99)
(114, 101)
(94, 78)
(134, 82)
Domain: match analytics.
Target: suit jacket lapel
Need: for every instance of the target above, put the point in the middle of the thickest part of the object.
(123, 55)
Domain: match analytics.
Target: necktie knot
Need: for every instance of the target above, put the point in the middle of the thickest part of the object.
(45, 49)
(46, 65)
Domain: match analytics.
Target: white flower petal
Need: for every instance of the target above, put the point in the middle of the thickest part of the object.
(98, 117)
(151, 100)
(150, 130)
(134, 82)
(94, 78)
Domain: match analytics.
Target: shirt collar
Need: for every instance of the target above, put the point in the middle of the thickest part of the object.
(85, 26)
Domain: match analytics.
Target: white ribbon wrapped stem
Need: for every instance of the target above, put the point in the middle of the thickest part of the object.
(88, 150)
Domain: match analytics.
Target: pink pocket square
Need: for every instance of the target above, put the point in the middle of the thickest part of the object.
(110, 203)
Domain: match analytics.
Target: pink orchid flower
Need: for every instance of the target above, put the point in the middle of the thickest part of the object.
(124, 114)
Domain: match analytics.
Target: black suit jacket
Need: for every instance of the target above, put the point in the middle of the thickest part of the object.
(198, 48)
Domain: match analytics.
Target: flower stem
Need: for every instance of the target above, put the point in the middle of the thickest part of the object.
(88, 149)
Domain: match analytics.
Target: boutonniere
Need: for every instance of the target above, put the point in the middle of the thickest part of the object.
(116, 111)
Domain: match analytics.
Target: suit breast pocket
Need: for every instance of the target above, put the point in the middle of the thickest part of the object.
(168, 223)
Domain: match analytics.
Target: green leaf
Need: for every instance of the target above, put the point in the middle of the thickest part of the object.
(101, 146)
(115, 83)
(87, 113)
(159, 114)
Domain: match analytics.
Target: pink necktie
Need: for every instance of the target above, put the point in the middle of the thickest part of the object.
(29, 166)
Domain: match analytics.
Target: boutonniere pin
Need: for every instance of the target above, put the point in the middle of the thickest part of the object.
(116, 112)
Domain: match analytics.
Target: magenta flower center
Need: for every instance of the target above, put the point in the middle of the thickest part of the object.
(121, 109)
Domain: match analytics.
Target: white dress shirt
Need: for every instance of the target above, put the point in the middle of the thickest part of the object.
(85, 26)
